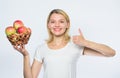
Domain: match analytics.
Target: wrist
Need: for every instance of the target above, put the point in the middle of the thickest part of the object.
(25, 53)
(85, 43)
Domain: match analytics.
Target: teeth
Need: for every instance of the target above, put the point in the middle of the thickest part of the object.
(57, 29)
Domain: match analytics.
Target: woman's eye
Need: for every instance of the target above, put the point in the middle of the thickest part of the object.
(52, 22)
(62, 21)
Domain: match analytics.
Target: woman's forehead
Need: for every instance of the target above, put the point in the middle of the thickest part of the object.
(57, 16)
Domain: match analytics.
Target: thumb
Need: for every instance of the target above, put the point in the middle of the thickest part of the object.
(80, 32)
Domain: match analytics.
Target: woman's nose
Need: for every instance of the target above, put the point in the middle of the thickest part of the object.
(57, 24)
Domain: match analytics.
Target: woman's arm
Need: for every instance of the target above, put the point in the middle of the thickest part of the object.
(26, 67)
(28, 71)
(93, 48)
(97, 49)
(36, 67)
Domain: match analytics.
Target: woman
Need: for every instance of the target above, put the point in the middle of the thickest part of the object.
(60, 52)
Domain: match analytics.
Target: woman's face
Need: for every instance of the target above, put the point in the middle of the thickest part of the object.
(57, 24)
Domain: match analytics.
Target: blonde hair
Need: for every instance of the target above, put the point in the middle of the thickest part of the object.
(58, 11)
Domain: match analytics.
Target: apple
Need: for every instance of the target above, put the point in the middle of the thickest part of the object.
(17, 24)
(10, 30)
(22, 30)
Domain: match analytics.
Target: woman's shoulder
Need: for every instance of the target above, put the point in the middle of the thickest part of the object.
(42, 45)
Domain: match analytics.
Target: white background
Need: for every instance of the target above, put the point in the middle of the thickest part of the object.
(99, 21)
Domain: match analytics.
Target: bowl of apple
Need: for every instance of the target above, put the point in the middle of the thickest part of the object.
(18, 34)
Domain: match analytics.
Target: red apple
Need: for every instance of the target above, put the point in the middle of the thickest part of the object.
(22, 30)
(10, 30)
(17, 24)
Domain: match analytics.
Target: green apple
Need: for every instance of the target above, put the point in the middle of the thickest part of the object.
(10, 30)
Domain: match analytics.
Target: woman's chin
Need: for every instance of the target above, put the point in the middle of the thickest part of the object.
(58, 35)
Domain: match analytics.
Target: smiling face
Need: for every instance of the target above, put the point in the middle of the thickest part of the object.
(57, 24)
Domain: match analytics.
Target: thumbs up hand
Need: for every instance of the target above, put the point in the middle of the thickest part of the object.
(79, 39)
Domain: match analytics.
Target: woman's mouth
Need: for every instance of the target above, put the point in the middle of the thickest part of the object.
(57, 29)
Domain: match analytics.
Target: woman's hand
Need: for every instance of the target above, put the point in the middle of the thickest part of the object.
(21, 49)
(93, 48)
(79, 39)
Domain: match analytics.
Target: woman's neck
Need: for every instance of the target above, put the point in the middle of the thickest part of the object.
(57, 43)
(58, 40)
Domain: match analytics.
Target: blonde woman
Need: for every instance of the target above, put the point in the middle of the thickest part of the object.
(60, 52)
